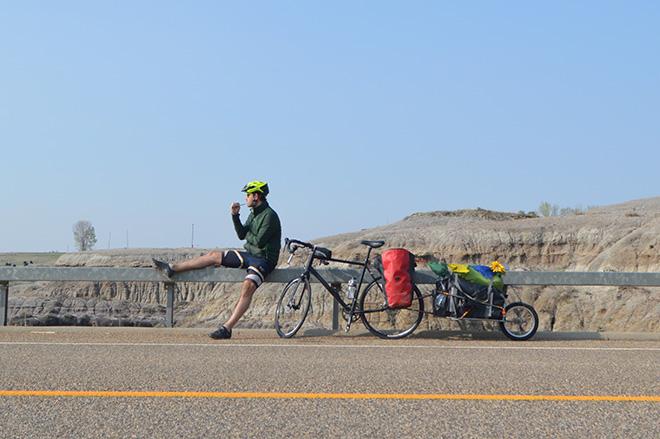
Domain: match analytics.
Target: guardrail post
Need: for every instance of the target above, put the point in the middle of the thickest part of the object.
(4, 303)
(169, 312)
(335, 307)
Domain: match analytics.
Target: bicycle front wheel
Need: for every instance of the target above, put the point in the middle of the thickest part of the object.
(385, 322)
(292, 307)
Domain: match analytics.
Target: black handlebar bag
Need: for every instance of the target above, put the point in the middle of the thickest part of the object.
(398, 271)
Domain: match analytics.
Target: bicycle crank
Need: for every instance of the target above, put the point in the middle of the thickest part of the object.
(344, 315)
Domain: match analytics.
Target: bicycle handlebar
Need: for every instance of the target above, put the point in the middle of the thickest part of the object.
(293, 244)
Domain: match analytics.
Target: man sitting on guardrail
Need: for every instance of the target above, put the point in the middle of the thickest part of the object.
(262, 232)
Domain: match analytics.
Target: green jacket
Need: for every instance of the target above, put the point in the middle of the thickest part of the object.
(262, 232)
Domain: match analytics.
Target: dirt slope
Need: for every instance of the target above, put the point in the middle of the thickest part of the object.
(621, 237)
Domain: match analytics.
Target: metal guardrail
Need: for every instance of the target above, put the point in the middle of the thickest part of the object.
(114, 274)
(283, 275)
(583, 278)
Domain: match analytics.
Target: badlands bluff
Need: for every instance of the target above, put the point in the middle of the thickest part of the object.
(623, 237)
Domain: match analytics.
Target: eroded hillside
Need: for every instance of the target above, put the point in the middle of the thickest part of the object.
(622, 237)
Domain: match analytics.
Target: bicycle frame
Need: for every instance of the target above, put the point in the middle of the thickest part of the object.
(348, 307)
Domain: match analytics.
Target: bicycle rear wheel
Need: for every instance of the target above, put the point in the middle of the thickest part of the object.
(292, 307)
(385, 322)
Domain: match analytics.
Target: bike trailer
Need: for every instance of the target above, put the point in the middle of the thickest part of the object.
(398, 270)
(480, 283)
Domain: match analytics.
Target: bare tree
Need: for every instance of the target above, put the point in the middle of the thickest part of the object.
(84, 235)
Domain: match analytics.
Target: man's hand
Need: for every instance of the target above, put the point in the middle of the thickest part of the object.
(235, 208)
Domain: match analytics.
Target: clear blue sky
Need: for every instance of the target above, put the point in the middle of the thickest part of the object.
(149, 116)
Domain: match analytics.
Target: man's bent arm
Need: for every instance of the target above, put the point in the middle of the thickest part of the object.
(241, 230)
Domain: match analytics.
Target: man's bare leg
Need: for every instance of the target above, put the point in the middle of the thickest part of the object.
(247, 290)
(210, 259)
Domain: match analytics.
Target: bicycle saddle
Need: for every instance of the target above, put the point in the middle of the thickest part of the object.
(373, 244)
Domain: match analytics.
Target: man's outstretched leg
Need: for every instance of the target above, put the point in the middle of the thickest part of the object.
(210, 259)
(247, 291)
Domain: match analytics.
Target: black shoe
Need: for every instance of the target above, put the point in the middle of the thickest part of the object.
(220, 333)
(163, 266)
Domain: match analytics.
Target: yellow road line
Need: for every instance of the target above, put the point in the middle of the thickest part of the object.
(293, 395)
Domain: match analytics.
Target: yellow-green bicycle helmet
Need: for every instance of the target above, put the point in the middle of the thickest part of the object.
(256, 187)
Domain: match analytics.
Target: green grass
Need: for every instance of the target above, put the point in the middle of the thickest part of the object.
(46, 258)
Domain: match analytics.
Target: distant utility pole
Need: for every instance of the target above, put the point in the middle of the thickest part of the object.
(109, 238)
(192, 237)
(126, 238)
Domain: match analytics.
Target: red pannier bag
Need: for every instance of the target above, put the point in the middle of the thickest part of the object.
(398, 270)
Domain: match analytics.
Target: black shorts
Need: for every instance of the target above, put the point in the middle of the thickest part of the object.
(257, 268)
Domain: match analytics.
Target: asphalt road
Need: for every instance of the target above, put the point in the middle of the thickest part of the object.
(179, 383)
